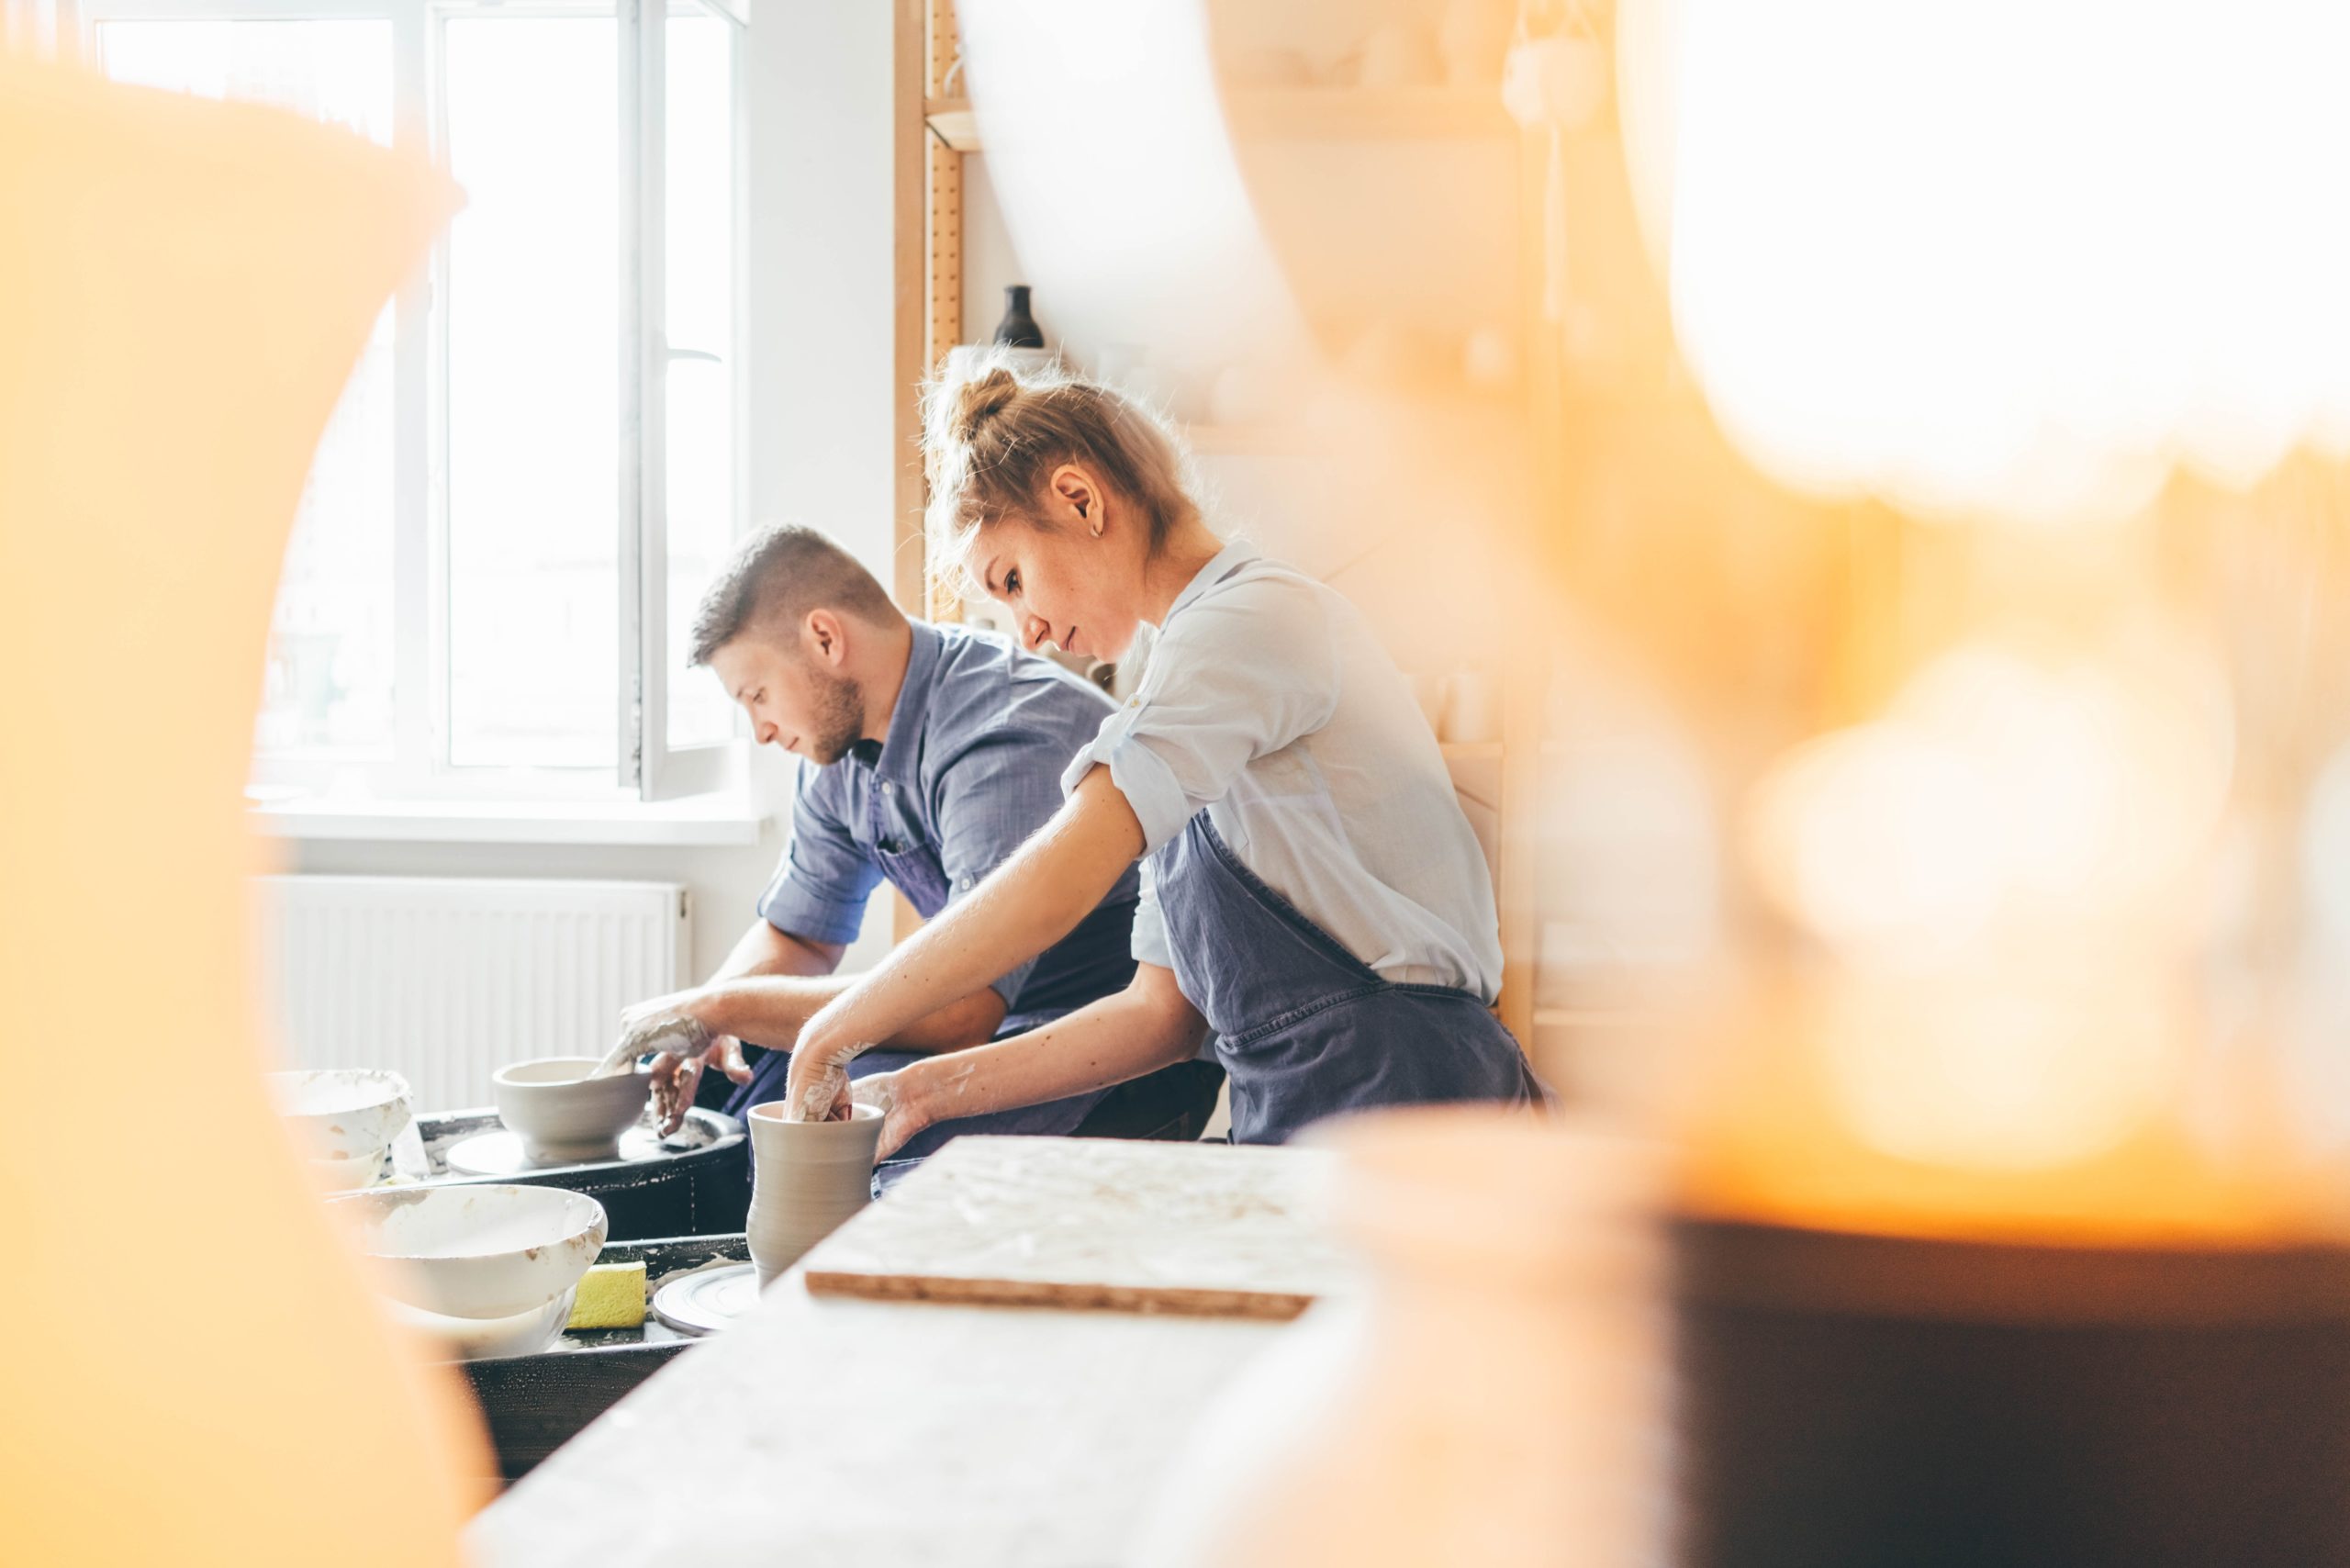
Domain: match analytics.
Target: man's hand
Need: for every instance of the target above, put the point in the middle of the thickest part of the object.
(675, 1080)
(671, 1027)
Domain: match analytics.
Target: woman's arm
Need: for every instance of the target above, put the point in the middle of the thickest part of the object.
(1141, 1029)
(1029, 903)
(767, 986)
(770, 1011)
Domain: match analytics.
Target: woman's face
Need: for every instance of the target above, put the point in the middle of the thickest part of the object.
(1066, 584)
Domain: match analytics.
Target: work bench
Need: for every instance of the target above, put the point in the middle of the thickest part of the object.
(838, 1431)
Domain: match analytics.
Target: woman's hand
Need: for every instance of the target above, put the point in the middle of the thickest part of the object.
(818, 1088)
(898, 1096)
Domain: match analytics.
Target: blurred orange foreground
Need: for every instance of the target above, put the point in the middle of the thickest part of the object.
(197, 1374)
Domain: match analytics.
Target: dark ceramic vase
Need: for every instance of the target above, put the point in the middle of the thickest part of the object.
(1018, 329)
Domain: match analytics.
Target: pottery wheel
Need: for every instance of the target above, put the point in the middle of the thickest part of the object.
(500, 1153)
(706, 1303)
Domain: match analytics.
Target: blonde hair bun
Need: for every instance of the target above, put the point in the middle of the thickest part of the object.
(980, 400)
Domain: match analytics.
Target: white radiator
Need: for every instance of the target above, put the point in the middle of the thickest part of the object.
(446, 980)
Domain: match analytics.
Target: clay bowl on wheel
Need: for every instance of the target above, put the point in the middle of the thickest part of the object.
(349, 1113)
(562, 1114)
(495, 1251)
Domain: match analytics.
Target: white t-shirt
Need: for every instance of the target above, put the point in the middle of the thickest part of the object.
(1268, 704)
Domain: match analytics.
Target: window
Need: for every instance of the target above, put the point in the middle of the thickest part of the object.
(536, 466)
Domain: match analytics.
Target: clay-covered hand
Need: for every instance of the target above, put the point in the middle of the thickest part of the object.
(675, 1080)
(665, 1024)
(899, 1098)
(667, 1028)
(816, 1090)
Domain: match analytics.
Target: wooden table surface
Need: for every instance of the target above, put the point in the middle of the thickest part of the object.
(874, 1434)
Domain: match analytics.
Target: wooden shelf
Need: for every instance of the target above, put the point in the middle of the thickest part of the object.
(951, 121)
(1307, 114)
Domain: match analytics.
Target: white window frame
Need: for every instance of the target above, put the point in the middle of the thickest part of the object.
(649, 768)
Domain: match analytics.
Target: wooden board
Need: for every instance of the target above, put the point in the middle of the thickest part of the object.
(1204, 1229)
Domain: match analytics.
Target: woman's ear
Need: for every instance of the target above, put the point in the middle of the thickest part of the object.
(1078, 498)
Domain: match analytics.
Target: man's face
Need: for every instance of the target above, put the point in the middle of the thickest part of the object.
(793, 701)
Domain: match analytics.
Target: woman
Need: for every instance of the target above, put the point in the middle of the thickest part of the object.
(1313, 894)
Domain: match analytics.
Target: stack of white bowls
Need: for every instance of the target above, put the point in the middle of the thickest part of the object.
(487, 1270)
(346, 1118)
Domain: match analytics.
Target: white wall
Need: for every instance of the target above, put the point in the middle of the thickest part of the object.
(821, 246)
(822, 441)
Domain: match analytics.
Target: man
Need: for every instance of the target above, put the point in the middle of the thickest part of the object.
(929, 754)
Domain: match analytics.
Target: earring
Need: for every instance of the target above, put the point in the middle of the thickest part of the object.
(1097, 530)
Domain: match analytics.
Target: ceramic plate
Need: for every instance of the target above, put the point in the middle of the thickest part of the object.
(706, 1303)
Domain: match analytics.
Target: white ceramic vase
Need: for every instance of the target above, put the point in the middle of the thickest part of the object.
(808, 1178)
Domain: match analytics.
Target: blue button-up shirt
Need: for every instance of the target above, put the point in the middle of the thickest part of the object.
(970, 768)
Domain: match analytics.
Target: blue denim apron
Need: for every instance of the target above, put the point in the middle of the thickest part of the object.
(1303, 1027)
(911, 866)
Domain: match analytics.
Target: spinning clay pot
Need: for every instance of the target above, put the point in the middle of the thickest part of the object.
(809, 1178)
(563, 1113)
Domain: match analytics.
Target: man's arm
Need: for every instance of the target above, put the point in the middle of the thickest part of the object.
(764, 951)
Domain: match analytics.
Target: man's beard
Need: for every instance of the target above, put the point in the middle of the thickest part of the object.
(840, 718)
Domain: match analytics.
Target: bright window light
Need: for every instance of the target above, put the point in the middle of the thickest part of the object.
(451, 620)
(534, 435)
(699, 267)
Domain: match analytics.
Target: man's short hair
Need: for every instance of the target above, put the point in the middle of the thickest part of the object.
(779, 575)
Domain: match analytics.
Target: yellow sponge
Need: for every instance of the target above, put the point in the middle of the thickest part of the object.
(611, 1295)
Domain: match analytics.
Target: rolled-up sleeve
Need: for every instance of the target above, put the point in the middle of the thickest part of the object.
(1235, 677)
(822, 882)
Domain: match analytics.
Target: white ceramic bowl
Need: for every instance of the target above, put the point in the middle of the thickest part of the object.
(562, 1114)
(342, 1112)
(481, 1338)
(489, 1252)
